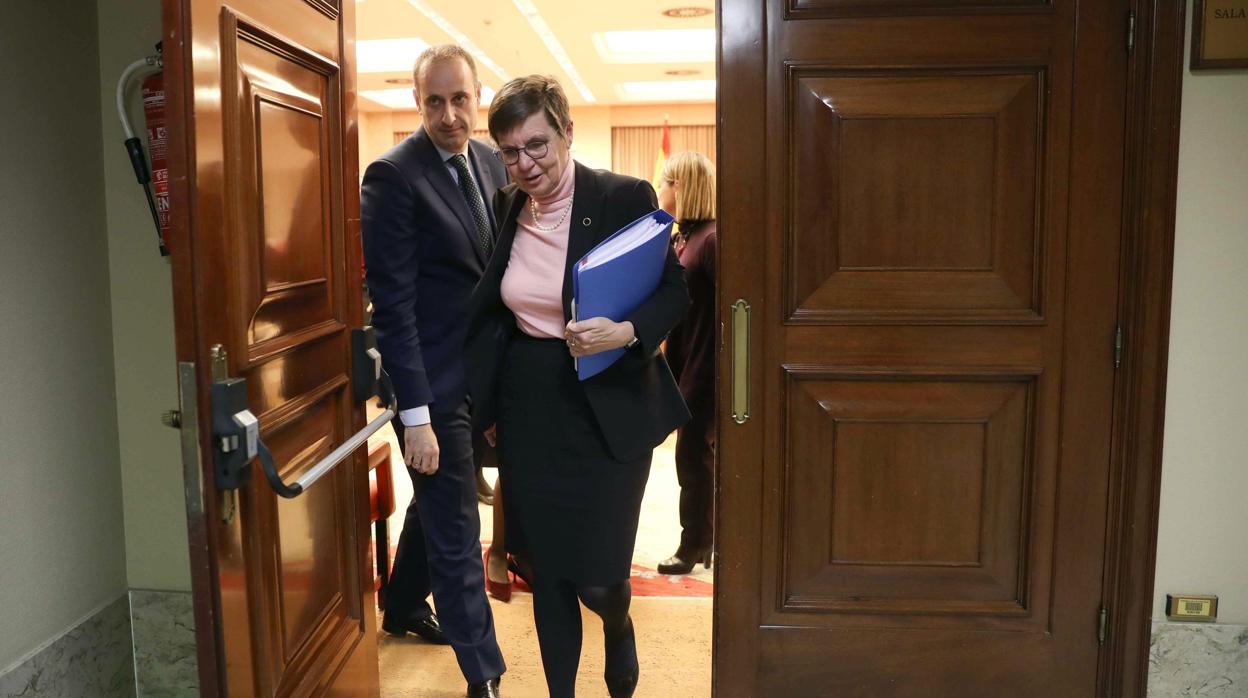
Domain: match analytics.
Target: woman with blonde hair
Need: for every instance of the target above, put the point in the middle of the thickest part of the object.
(687, 191)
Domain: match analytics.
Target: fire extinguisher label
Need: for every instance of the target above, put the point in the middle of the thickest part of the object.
(158, 146)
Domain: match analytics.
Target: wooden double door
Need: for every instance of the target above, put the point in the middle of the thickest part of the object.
(921, 205)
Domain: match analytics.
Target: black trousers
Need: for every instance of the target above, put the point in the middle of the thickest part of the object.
(445, 507)
(695, 471)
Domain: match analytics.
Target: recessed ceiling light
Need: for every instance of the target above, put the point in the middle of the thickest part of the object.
(673, 73)
(687, 12)
(657, 46)
(387, 55)
(668, 91)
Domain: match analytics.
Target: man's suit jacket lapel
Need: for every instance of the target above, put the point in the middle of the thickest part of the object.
(586, 231)
(444, 184)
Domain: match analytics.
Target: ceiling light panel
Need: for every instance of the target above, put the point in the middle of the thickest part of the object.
(394, 98)
(657, 46)
(459, 37)
(544, 32)
(667, 91)
(387, 55)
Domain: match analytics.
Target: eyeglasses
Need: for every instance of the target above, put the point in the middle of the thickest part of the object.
(536, 150)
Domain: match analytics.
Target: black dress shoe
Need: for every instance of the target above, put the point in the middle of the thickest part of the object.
(427, 628)
(485, 689)
(683, 561)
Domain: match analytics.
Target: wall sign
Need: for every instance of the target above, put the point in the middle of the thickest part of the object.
(1220, 34)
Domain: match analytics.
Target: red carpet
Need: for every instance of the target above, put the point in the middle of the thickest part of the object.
(647, 582)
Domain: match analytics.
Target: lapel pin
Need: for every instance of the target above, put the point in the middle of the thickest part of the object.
(586, 222)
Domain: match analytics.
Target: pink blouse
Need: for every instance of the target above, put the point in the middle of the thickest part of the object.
(533, 283)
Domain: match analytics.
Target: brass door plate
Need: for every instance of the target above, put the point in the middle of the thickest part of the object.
(1191, 608)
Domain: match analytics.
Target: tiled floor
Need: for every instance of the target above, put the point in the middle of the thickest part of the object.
(674, 631)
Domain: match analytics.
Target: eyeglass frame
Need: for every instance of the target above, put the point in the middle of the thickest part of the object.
(500, 153)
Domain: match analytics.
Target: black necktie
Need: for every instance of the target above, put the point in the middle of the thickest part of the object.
(472, 196)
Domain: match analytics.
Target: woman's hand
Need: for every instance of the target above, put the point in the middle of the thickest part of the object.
(596, 335)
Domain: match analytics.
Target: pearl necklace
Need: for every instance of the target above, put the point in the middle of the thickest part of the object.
(566, 210)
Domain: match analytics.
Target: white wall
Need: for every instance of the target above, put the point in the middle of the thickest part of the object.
(143, 335)
(62, 547)
(1201, 545)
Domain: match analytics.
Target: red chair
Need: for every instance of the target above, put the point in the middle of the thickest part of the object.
(380, 507)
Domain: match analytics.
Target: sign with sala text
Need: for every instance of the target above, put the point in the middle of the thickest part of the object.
(1220, 34)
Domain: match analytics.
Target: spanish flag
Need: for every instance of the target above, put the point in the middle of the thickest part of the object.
(665, 151)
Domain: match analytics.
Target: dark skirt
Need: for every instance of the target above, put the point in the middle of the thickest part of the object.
(570, 506)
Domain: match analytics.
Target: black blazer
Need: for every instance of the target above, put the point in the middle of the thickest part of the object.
(635, 401)
(422, 262)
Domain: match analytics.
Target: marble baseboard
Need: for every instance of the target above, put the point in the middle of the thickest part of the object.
(93, 658)
(1196, 659)
(164, 643)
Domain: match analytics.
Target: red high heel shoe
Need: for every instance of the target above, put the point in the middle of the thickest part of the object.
(499, 590)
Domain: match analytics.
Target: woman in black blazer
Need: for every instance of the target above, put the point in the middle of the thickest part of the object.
(575, 455)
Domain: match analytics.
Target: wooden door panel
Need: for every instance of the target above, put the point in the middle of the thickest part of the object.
(282, 151)
(919, 198)
(916, 491)
(280, 120)
(273, 179)
(917, 506)
(904, 663)
(796, 9)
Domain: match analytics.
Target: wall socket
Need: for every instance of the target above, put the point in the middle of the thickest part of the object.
(1192, 608)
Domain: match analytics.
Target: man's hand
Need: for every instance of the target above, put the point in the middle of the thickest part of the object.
(597, 335)
(420, 449)
(491, 435)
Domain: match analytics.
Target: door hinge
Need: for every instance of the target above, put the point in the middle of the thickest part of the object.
(1118, 347)
(1102, 626)
(1130, 31)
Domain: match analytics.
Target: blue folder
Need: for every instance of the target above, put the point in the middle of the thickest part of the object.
(615, 288)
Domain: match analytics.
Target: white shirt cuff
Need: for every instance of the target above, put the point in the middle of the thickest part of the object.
(415, 417)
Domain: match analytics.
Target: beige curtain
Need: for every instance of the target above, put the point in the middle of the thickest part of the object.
(634, 149)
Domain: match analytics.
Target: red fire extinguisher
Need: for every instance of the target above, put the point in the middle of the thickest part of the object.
(157, 141)
(158, 148)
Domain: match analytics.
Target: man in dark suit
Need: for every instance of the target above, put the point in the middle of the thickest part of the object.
(428, 233)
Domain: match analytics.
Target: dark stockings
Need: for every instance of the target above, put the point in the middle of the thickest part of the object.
(557, 614)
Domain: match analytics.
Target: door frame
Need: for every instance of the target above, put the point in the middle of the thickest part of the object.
(1154, 99)
(1151, 138)
(197, 473)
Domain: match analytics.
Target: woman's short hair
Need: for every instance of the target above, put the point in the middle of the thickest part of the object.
(695, 198)
(523, 97)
